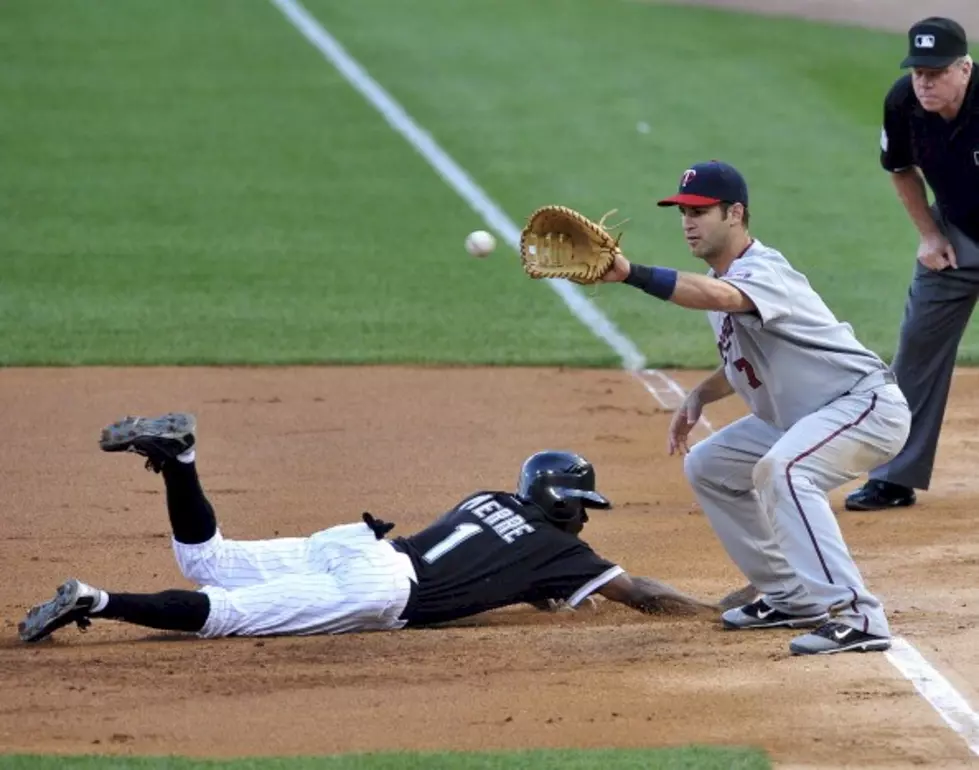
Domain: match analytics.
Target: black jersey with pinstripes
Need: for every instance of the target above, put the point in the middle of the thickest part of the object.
(494, 550)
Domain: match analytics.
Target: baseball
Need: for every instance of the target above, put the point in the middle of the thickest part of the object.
(480, 243)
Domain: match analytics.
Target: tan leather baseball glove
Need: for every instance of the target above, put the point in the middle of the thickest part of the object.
(559, 242)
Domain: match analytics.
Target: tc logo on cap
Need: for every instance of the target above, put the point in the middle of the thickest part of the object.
(687, 176)
(924, 41)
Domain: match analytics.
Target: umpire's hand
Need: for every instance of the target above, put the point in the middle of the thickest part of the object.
(936, 253)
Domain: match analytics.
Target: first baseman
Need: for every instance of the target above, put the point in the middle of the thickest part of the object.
(491, 550)
(824, 409)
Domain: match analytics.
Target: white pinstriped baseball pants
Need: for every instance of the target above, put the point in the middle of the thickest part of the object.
(339, 580)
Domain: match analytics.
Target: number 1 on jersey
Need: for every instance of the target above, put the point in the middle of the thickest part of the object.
(460, 535)
(744, 366)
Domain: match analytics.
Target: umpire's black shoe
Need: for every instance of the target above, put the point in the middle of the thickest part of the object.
(877, 495)
(158, 439)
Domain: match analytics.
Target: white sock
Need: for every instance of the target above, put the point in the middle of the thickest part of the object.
(189, 456)
(101, 602)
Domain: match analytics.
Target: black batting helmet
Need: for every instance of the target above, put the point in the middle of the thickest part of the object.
(562, 484)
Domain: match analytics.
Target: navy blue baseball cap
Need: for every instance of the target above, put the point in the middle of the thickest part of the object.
(707, 184)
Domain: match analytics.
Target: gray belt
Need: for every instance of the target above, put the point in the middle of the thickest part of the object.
(872, 381)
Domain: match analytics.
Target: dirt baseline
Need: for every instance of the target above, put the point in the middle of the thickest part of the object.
(289, 451)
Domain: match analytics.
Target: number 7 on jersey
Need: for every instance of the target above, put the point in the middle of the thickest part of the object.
(744, 366)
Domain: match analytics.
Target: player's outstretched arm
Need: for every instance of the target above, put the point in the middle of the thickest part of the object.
(651, 596)
(689, 290)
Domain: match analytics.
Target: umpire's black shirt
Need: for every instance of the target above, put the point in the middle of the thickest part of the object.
(493, 550)
(946, 151)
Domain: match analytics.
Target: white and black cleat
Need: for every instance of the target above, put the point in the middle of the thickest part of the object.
(71, 604)
(158, 439)
(760, 614)
(837, 637)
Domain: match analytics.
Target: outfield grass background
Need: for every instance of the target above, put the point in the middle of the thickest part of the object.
(190, 182)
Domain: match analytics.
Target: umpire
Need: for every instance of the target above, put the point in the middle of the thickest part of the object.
(931, 134)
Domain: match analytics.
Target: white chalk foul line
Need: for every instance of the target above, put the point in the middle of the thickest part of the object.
(668, 392)
(937, 690)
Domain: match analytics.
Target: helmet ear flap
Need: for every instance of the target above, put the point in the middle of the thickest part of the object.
(564, 511)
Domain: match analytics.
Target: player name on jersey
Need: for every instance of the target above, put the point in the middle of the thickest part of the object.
(504, 522)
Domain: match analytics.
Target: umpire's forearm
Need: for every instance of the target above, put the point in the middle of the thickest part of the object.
(910, 187)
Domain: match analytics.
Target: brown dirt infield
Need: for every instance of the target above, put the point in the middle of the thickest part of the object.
(290, 451)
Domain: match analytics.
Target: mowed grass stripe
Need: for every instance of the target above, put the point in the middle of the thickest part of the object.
(190, 182)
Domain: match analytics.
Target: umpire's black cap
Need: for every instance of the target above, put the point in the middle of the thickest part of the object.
(935, 42)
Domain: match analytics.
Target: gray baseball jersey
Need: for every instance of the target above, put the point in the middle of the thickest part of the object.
(793, 356)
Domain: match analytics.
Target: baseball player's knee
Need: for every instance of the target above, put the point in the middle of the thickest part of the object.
(693, 466)
(769, 471)
(222, 618)
(702, 466)
(198, 562)
(193, 568)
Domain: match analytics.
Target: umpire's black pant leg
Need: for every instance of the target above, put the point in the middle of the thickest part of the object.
(936, 314)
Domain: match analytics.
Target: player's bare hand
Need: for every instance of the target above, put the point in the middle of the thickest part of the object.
(684, 420)
(561, 605)
(744, 595)
(619, 270)
(936, 253)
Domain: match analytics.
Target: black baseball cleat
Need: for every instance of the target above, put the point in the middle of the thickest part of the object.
(158, 439)
(71, 604)
(878, 495)
(760, 614)
(837, 637)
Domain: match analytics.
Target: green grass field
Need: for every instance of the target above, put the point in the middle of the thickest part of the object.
(693, 758)
(191, 182)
